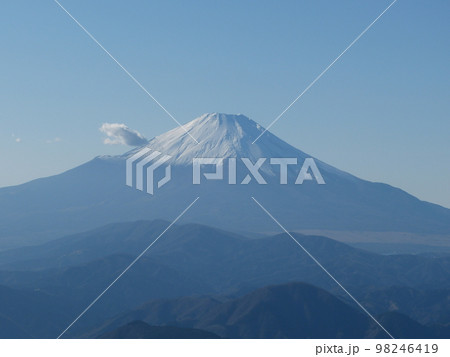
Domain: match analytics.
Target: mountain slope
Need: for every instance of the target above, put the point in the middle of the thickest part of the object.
(95, 193)
(401, 326)
(221, 260)
(30, 314)
(9, 329)
(424, 306)
(75, 288)
(294, 310)
(193, 260)
(139, 329)
(289, 311)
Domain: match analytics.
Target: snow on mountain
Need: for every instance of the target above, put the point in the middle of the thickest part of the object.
(96, 193)
(218, 135)
(222, 135)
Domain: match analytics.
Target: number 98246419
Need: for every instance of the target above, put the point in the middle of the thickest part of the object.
(406, 348)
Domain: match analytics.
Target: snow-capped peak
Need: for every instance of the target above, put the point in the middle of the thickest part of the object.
(221, 135)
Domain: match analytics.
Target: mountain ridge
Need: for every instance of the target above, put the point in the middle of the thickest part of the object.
(95, 193)
(293, 310)
(191, 262)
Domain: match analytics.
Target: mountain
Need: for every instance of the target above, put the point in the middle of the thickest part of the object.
(427, 306)
(30, 314)
(211, 260)
(9, 329)
(75, 287)
(401, 326)
(202, 268)
(192, 260)
(139, 329)
(95, 193)
(288, 311)
(294, 310)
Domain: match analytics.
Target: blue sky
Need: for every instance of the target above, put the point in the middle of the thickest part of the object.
(381, 113)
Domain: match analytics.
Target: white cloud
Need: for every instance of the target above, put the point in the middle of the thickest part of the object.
(18, 140)
(121, 134)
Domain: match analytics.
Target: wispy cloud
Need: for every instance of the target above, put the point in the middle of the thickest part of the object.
(121, 134)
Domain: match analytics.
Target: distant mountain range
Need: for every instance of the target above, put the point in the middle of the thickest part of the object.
(95, 193)
(293, 310)
(213, 260)
(45, 287)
